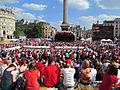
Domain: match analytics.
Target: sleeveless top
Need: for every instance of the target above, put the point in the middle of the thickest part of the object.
(6, 81)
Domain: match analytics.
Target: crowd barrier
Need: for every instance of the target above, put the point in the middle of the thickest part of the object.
(68, 47)
(44, 47)
(56, 47)
(12, 48)
(36, 47)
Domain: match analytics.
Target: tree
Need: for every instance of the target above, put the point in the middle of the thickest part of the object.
(39, 30)
(18, 32)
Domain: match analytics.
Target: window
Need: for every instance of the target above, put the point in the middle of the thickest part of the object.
(3, 26)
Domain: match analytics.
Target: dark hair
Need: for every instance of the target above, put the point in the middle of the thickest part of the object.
(11, 65)
(31, 66)
(21, 62)
(50, 60)
(13, 60)
(112, 70)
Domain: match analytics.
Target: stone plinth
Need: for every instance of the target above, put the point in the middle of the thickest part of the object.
(64, 27)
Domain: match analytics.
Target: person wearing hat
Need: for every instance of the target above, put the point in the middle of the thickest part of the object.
(68, 75)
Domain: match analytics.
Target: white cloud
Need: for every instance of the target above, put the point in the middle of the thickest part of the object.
(34, 6)
(108, 4)
(9, 1)
(78, 4)
(89, 20)
(22, 14)
(40, 18)
(17, 10)
(56, 24)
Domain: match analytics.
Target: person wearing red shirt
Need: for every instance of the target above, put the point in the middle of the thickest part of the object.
(31, 76)
(51, 74)
(40, 66)
(109, 78)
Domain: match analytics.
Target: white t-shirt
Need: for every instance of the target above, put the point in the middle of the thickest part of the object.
(68, 74)
(93, 74)
(2, 68)
(118, 75)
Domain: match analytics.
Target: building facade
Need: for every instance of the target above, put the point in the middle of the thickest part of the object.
(87, 34)
(117, 27)
(116, 24)
(108, 23)
(76, 30)
(7, 23)
(79, 32)
(48, 30)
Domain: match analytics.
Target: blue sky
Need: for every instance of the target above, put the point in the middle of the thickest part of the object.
(82, 12)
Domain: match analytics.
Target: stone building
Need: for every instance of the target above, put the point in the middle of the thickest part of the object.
(79, 32)
(117, 27)
(116, 24)
(76, 30)
(7, 24)
(87, 34)
(48, 29)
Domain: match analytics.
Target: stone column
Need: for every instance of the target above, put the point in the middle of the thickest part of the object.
(65, 12)
(65, 25)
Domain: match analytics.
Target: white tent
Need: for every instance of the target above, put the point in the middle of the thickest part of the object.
(103, 40)
(106, 41)
(109, 40)
(82, 39)
(89, 39)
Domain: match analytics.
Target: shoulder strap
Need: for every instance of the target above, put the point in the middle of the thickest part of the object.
(76, 87)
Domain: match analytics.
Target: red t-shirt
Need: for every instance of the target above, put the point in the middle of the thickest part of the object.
(31, 79)
(51, 74)
(108, 81)
(40, 67)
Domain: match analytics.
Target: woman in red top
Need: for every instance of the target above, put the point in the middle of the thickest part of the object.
(109, 78)
(32, 75)
(51, 73)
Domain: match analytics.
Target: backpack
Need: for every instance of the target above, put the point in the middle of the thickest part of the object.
(20, 84)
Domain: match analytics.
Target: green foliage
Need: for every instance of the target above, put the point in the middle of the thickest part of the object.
(31, 30)
(36, 31)
(18, 32)
(39, 30)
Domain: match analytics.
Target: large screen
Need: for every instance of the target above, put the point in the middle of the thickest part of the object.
(65, 36)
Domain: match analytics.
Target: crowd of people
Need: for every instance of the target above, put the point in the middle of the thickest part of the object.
(64, 69)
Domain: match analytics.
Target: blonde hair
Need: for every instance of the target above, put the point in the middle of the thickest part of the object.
(85, 64)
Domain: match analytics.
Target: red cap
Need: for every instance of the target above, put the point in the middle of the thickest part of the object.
(68, 62)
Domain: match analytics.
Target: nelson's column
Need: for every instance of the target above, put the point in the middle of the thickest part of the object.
(65, 25)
